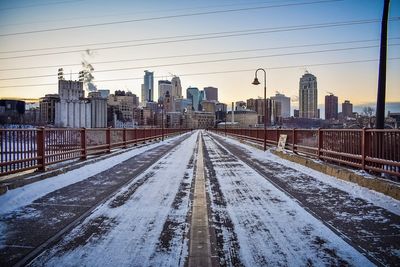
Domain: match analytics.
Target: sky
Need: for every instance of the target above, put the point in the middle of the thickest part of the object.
(206, 43)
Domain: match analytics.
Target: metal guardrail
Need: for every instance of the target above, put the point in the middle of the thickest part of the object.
(25, 149)
(371, 150)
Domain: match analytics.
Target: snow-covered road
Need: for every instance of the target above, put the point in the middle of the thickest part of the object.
(262, 211)
(261, 224)
(368, 220)
(144, 224)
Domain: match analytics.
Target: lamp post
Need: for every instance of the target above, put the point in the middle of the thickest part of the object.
(256, 82)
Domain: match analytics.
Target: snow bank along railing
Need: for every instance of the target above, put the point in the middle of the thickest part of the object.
(367, 149)
(25, 149)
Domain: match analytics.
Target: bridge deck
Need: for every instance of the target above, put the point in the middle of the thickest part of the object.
(255, 209)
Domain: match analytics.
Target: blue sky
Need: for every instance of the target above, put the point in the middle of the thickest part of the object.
(356, 82)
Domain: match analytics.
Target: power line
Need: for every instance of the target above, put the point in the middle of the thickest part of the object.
(204, 61)
(142, 12)
(200, 54)
(166, 17)
(217, 72)
(41, 4)
(269, 30)
(257, 30)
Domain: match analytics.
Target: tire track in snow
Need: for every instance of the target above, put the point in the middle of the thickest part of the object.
(227, 245)
(271, 228)
(137, 224)
(365, 224)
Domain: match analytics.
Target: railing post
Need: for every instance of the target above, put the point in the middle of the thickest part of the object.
(277, 137)
(124, 137)
(108, 139)
(83, 144)
(320, 142)
(135, 136)
(293, 139)
(363, 148)
(41, 148)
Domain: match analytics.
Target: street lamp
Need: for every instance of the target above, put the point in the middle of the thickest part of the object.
(256, 82)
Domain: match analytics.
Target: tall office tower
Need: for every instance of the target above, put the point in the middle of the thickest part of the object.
(164, 86)
(331, 107)
(176, 87)
(284, 105)
(308, 96)
(148, 87)
(347, 109)
(211, 93)
(193, 94)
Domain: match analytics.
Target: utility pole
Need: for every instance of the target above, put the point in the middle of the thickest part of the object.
(380, 102)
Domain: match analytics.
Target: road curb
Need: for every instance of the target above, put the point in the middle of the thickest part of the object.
(374, 183)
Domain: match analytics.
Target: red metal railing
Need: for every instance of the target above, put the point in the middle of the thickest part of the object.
(25, 149)
(367, 149)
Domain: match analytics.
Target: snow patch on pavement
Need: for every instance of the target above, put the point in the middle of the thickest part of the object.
(272, 229)
(25, 195)
(128, 234)
(356, 191)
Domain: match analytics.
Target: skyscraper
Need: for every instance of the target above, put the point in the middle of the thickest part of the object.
(347, 109)
(176, 87)
(284, 105)
(148, 87)
(308, 96)
(211, 93)
(331, 107)
(164, 86)
(193, 94)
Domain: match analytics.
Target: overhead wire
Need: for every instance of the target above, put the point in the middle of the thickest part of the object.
(256, 30)
(269, 30)
(41, 4)
(215, 72)
(205, 61)
(198, 54)
(165, 17)
(140, 12)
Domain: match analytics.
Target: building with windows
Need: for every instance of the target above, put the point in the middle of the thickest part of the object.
(181, 104)
(11, 111)
(121, 105)
(258, 105)
(243, 118)
(331, 107)
(47, 108)
(284, 105)
(176, 87)
(208, 106)
(347, 109)
(211, 93)
(73, 110)
(98, 106)
(164, 86)
(308, 96)
(199, 120)
(148, 87)
(193, 94)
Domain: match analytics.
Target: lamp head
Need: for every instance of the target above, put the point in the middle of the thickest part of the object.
(256, 82)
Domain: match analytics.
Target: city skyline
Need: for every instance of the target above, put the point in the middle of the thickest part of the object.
(356, 82)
